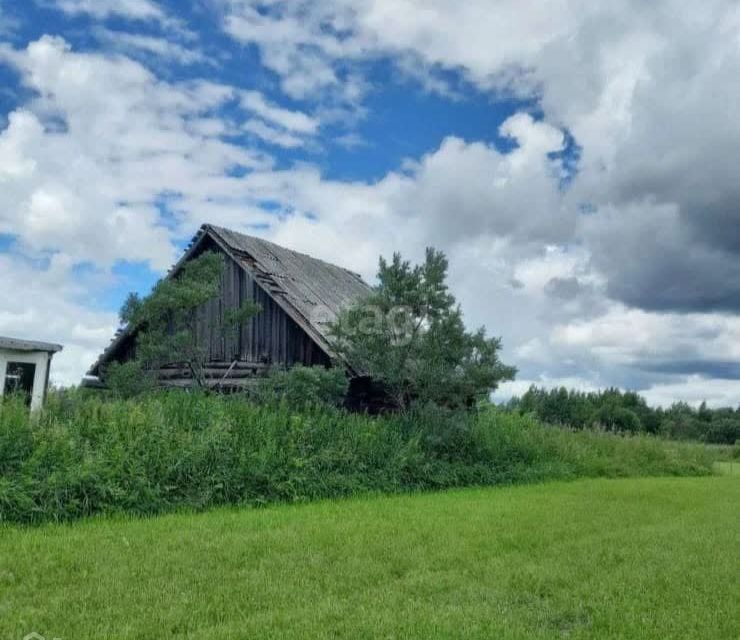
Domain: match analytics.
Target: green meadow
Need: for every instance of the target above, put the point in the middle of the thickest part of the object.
(599, 558)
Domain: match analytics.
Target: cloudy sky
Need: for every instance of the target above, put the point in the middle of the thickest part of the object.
(576, 160)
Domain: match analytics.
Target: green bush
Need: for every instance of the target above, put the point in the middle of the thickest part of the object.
(303, 387)
(128, 379)
(85, 455)
(616, 418)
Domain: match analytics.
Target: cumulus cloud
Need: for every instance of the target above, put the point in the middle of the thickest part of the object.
(80, 173)
(455, 195)
(54, 306)
(647, 91)
(693, 390)
(622, 271)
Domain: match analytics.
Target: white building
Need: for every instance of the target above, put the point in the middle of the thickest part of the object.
(24, 368)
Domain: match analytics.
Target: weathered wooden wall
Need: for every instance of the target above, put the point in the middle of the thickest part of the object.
(269, 337)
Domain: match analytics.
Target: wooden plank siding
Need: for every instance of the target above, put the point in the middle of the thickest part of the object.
(299, 296)
(269, 337)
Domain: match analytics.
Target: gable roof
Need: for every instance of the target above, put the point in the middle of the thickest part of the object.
(16, 344)
(309, 290)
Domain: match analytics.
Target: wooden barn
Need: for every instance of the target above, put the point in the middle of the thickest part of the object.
(299, 296)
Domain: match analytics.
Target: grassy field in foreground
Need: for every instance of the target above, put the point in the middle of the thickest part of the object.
(731, 468)
(634, 558)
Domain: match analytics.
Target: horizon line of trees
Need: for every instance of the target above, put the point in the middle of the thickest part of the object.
(627, 411)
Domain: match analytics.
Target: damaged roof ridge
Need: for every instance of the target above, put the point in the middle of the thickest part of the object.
(218, 229)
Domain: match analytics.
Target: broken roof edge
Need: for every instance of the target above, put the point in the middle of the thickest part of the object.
(222, 230)
(294, 313)
(18, 344)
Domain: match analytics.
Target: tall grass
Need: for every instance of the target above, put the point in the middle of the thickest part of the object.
(85, 455)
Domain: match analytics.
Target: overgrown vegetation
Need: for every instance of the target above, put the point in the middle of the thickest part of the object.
(140, 451)
(616, 410)
(303, 388)
(165, 322)
(86, 455)
(409, 335)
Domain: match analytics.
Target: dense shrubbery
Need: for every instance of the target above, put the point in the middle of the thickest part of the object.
(304, 387)
(85, 455)
(615, 410)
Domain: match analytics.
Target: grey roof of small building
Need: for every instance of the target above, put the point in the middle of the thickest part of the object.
(309, 290)
(16, 344)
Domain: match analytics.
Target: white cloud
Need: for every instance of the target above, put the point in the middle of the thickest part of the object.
(276, 125)
(273, 135)
(309, 44)
(694, 390)
(90, 187)
(139, 12)
(48, 303)
(293, 121)
(304, 44)
(643, 88)
(131, 9)
(632, 336)
(287, 47)
(451, 196)
(160, 47)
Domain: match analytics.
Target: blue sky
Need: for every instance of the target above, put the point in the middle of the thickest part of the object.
(398, 120)
(572, 161)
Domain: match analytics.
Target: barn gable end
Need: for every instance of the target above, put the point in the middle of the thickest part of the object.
(299, 296)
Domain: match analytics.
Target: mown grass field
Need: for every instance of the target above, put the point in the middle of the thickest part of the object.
(632, 558)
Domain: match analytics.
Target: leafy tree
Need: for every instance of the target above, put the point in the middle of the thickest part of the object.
(165, 322)
(628, 411)
(409, 334)
(613, 417)
(722, 430)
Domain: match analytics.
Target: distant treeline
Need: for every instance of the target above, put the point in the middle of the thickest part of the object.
(617, 410)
